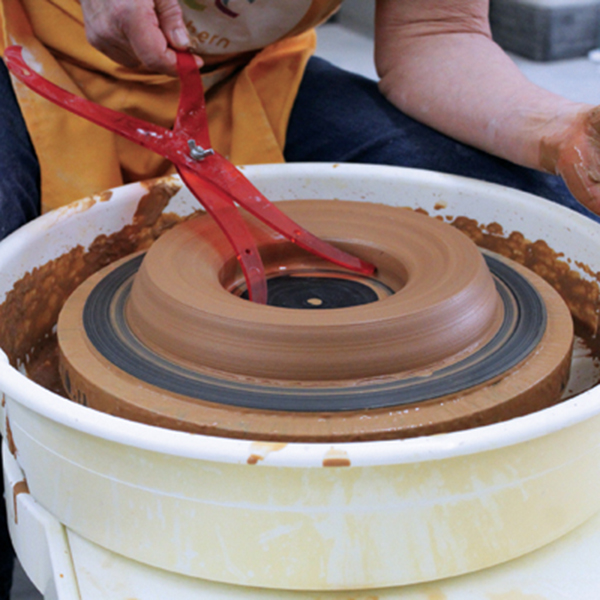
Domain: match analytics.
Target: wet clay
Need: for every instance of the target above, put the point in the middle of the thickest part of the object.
(32, 343)
(30, 311)
(581, 295)
(446, 303)
(10, 439)
(530, 386)
(336, 458)
(21, 487)
(446, 307)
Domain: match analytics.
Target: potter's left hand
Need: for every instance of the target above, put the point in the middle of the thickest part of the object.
(139, 34)
(573, 151)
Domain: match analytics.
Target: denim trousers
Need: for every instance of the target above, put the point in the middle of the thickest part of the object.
(19, 203)
(337, 117)
(19, 171)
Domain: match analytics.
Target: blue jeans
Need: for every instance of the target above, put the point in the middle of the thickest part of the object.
(342, 117)
(19, 203)
(19, 170)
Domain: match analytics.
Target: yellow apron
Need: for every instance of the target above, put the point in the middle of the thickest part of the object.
(248, 108)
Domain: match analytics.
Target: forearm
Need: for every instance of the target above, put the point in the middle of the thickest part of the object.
(450, 75)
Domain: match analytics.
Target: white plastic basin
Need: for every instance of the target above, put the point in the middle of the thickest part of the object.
(402, 512)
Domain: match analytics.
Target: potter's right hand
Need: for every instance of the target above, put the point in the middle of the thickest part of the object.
(138, 34)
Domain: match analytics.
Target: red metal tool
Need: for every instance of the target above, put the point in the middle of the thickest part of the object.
(213, 180)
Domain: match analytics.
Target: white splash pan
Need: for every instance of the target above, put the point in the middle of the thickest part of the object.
(403, 512)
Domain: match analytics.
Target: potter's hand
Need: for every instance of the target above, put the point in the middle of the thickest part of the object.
(573, 152)
(137, 33)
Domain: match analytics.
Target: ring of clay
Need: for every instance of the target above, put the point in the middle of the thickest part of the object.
(445, 304)
(108, 331)
(468, 385)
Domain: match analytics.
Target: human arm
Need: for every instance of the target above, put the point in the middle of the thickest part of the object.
(439, 64)
(137, 33)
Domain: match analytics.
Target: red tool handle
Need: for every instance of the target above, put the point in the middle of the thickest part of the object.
(168, 144)
(213, 180)
(155, 138)
(191, 119)
(235, 229)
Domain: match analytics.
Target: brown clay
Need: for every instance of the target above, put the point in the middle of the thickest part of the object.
(184, 288)
(445, 302)
(29, 313)
(582, 296)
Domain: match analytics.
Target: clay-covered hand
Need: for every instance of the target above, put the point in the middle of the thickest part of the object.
(137, 33)
(573, 151)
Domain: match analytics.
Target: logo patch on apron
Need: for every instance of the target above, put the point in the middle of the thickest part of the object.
(233, 26)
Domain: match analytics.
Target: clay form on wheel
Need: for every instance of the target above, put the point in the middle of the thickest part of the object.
(440, 338)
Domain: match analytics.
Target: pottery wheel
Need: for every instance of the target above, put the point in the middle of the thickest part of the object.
(441, 338)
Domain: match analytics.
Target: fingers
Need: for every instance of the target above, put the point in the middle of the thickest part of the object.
(572, 150)
(171, 22)
(137, 33)
(148, 43)
(580, 184)
(580, 162)
(594, 118)
(170, 18)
